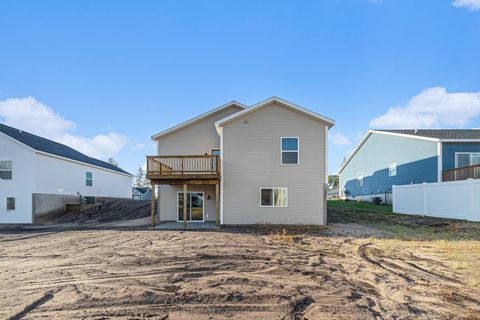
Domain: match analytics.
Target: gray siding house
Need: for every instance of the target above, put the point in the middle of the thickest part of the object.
(384, 158)
(239, 165)
(141, 193)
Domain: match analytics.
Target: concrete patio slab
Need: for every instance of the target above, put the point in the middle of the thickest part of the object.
(190, 226)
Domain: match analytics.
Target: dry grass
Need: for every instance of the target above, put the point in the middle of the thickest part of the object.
(284, 236)
(462, 256)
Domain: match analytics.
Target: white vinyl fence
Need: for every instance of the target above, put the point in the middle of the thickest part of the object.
(455, 199)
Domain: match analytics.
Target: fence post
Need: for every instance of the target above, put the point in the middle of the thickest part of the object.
(424, 190)
(394, 189)
(472, 197)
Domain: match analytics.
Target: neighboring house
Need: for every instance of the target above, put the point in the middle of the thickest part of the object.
(141, 193)
(241, 165)
(332, 194)
(39, 176)
(384, 158)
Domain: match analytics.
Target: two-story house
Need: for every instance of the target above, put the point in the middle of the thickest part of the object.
(384, 158)
(240, 165)
(38, 177)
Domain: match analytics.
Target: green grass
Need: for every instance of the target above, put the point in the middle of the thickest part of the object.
(360, 206)
(401, 226)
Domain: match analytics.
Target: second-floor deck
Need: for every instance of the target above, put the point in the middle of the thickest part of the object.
(178, 168)
(462, 173)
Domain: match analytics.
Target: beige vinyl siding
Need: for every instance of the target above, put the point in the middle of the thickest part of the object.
(196, 139)
(251, 160)
(168, 201)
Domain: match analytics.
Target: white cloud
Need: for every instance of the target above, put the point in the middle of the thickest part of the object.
(33, 116)
(469, 4)
(137, 146)
(338, 139)
(432, 108)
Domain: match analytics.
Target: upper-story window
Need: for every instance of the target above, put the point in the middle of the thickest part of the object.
(290, 150)
(6, 170)
(392, 169)
(88, 179)
(360, 179)
(464, 159)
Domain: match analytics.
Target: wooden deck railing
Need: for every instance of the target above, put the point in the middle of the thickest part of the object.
(183, 167)
(462, 173)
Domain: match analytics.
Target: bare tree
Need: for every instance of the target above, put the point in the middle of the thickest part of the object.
(113, 162)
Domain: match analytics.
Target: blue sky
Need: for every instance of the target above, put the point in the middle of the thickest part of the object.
(103, 76)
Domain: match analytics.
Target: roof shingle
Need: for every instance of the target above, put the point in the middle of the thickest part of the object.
(454, 134)
(48, 146)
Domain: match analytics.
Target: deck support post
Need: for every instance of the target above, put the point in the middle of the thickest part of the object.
(185, 205)
(153, 205)
(217, 203)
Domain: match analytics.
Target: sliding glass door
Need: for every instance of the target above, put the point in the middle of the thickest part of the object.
(195, 206)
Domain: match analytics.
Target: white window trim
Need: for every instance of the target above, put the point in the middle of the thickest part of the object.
(203, 206)
(297, 151)
(13, 173)
(390, 166)
(14, 203)
(273, 202)
(456, 157)
(86, 179)
(358, 175)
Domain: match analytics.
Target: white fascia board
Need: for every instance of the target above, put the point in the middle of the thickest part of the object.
(18, 142)
(330, 123)
(359, 145)
(405, 135)
(395, 134)
(196, 119)
(62, 158)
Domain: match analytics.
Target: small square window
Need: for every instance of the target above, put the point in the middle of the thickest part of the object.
(392, 169)
(89, 179)
(10, 203)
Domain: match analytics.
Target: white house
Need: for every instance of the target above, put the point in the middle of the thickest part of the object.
(39, 176)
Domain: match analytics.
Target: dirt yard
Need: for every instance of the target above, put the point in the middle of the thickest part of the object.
(351, 270)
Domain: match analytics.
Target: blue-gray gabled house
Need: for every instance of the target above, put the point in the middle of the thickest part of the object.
(384, 158)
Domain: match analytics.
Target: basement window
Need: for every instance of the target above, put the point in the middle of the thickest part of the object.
(89, 179)
(10, 203)
(6, 171)
(273, 197)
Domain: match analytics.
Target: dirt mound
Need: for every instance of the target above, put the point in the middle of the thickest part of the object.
(108, 211)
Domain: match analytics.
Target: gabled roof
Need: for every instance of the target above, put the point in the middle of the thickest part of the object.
(197, 119)
(54, 148)
(329, 122)
(434, 135)
(142, 190)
